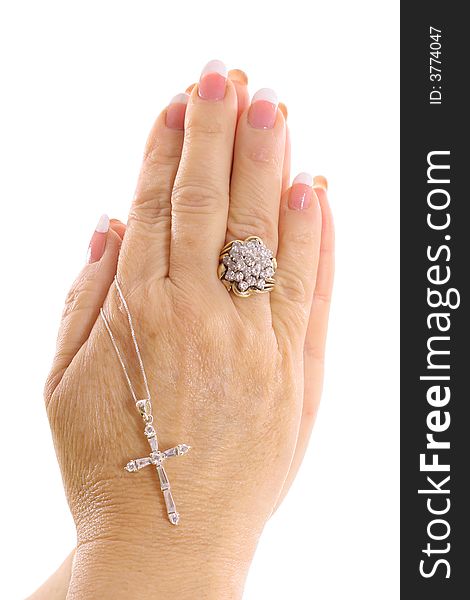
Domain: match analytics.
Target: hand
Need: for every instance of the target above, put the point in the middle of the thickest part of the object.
(238, 379)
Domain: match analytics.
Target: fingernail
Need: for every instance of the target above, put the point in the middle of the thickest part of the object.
(283, 109)
(321, 181)
(212, 81)
(98, 240)
(301, 192)
(239, 76)
(176, 111)
(263, 109)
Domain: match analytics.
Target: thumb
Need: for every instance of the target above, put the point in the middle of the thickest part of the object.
(86, 296)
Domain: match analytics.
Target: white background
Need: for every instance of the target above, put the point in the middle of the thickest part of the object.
(82, 82)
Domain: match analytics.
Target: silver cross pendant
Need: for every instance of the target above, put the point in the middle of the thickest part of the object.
(157, 458)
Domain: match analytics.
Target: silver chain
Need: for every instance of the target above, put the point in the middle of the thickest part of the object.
(143, 405)
(136, 345)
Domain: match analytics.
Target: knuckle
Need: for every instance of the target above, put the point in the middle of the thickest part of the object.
(289, 334)
(322, 298)
(151, 202)
(52, 397)
(200, 126)
(161, 155)
(150, 209)
(302, 240)
(49, 389)
(196, 195)
(198, 318)
(265, 157)
(79, 290)
(293, 288)
(71, 301)
(253, 221)
(82, 296)
(257, 184)
(314, 352)
(186, 310)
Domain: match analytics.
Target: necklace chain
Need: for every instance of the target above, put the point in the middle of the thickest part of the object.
(140, 403)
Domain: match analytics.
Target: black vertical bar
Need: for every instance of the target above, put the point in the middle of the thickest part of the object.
(430, 254)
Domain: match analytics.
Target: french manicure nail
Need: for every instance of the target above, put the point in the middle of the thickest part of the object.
(283, 109)
(239, 76)
(176, 111)
(321, 181)
(213, 80)
(301, 192)
(263, 109)
(98, 240)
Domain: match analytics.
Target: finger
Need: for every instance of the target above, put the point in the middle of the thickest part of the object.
(257, 179)
(148, 235)
(299, 248)
(314, 348)
(257, 171)
(85, 299)
(287, 161)
(240, 81)
(199, 201)
(118, 226)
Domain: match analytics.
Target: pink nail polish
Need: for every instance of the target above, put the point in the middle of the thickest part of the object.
(301, 193)
(263, 109)
(98, 240)
(213, 80)
(176, 111)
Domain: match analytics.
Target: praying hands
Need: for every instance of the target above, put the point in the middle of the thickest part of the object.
(231, 342)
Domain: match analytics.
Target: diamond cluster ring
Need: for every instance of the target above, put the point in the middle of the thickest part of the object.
(247, 267)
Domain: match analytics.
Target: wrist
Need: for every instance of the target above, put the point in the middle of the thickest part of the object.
(128, 549)
(116, 569)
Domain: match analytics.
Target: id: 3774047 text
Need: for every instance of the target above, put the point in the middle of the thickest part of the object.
(435, 66)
